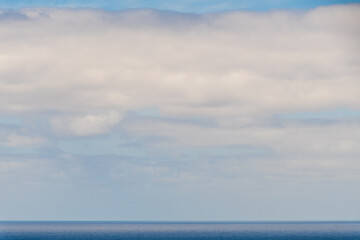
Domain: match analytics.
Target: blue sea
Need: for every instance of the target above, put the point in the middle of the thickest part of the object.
(179, 230)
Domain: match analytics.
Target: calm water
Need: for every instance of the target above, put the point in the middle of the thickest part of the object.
(179, 230)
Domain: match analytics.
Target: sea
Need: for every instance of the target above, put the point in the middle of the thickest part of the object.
(35, 230)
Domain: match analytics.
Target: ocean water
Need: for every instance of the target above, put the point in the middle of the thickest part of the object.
(179, 230)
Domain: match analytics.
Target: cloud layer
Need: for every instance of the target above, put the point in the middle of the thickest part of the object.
(172, 98)
(215, 65)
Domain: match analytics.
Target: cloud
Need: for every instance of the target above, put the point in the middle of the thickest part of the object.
(15, 140)
(217, 65)
(85, 71)
(85, 125)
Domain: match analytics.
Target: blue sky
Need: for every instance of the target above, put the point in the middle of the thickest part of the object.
(198, 6)
(154, 115)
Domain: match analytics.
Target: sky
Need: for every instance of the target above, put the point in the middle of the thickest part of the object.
(193, 6)
(179, 110)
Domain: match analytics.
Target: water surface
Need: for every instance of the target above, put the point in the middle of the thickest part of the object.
(179, 230)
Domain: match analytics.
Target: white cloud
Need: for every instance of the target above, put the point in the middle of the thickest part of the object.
(85, 69)
(16, 140)
(86, 125)
(326, 150)
(228, 64)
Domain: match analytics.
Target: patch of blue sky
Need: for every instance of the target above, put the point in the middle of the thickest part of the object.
(147, 112)
(236, 152)
(196, 6)
(117, 146)
(11, 120)
(6, 150)
(155, 115)
(336, 114)
(102, 145)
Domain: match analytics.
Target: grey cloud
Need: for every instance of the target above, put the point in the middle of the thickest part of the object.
(9, 15)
